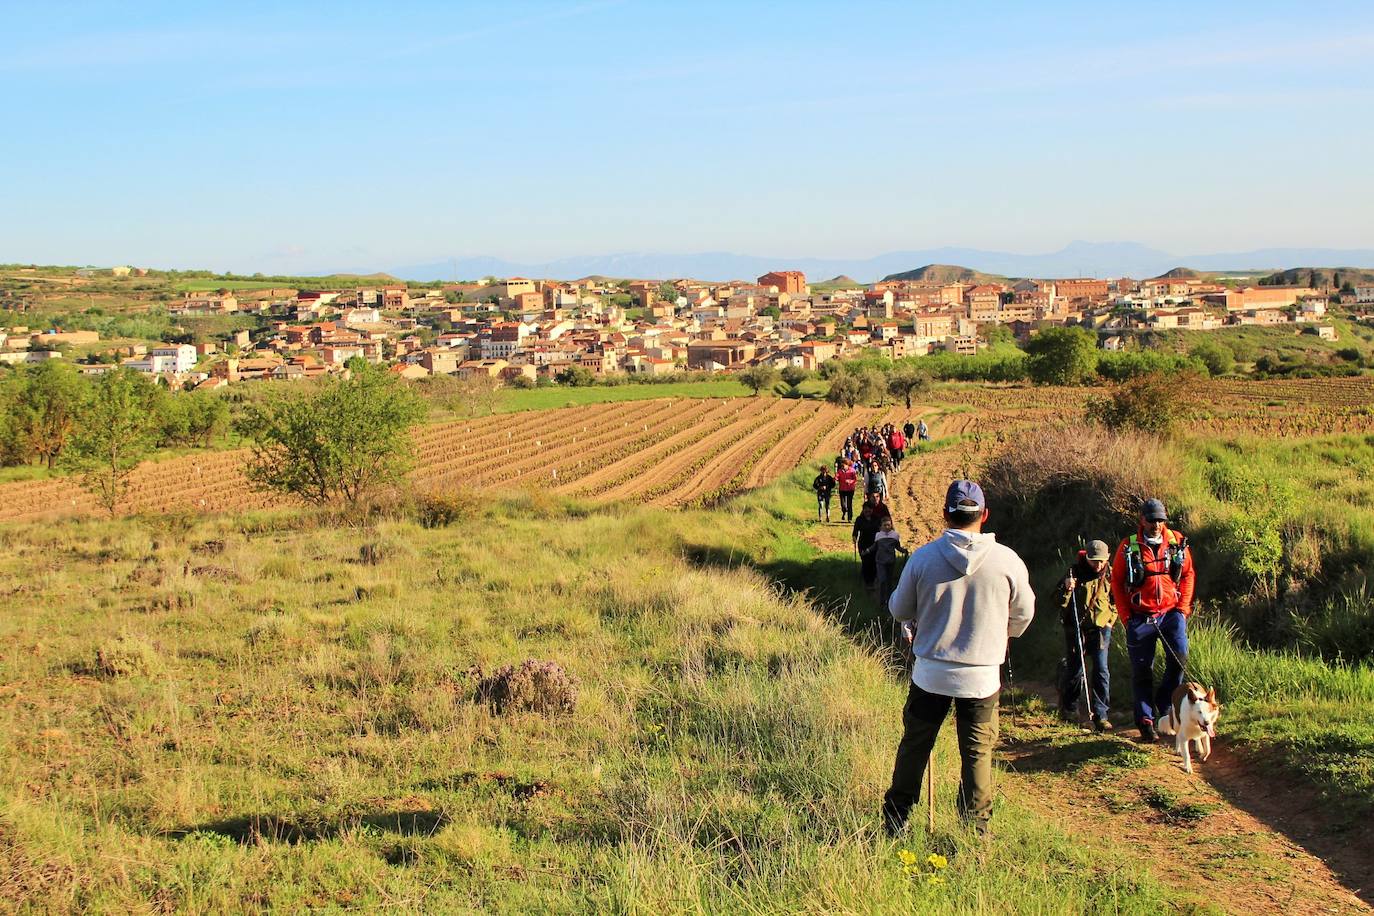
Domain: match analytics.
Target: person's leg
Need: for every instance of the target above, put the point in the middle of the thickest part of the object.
(976, 724)
(1102, 678)
(921, 719)
(820, 506)
(1173, 630)
(827, 507)
(1070, 678)
(869, 568)
(1140, 647)
(884, 585)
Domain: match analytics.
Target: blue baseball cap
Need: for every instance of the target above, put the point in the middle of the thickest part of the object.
(964, 496)
(1152, 510)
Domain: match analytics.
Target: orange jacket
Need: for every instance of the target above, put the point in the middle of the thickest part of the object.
(1159, 593)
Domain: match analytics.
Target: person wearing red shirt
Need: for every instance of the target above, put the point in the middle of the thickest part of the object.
(846, 479)
(1152, 588)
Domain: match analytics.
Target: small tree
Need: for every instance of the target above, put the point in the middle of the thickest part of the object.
(1061, 356)
(759, 378)
(795, 375)
(907, 383)
(576, 377)
(1153, 403)
(53, 395)
(474, 396)
(845, 390)
(340, 443)
(207, 416)
(1217, 357)
(872, 386)
(116, 432)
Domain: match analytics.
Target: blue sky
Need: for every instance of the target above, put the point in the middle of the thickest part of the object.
(309, 136)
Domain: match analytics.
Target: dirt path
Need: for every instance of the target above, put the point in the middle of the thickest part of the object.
(1202, 834)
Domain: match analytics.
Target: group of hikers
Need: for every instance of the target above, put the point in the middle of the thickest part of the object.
(960, 599)
(869, 457)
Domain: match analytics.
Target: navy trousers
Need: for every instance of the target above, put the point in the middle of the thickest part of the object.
(1142, 631)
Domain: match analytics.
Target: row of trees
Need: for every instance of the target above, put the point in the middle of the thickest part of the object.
(43, 408)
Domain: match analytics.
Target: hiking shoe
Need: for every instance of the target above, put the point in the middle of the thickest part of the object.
(1101, 725)
(1147, 731)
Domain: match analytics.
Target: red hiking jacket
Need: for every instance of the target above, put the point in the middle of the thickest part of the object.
(896, 440)
(1159, 593)
(848, 479)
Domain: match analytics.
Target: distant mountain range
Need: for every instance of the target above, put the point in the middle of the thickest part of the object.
(1086, 259)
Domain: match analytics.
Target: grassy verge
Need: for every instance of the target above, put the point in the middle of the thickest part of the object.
(510, 400)
(235, 713)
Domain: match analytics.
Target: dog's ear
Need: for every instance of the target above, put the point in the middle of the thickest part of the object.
(1211, 696)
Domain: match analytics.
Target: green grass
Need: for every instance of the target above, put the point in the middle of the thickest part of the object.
(201, 286)
(510, 400)
(235, 713)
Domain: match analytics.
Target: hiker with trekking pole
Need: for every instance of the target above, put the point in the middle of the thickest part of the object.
(965, 596)
(1152, 587)
(1087, 614)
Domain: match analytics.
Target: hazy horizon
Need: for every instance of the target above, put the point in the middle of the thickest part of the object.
(304, 138)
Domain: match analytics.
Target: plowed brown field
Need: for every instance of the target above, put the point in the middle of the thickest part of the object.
(687, 451)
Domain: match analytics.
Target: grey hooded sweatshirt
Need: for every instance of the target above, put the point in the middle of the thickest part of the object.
(966, 595)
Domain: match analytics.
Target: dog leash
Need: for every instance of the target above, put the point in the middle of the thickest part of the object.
(1182, 663)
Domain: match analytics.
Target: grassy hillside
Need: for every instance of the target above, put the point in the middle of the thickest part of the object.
(1320, 277)
(945, 273)
(1250, 343)
(238, 713)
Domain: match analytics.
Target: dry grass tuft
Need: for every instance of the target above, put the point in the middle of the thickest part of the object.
(127, 655)
(535, 686)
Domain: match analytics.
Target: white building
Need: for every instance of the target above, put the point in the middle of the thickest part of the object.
(178, 358)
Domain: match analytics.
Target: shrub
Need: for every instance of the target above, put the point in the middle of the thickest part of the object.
(126, 656)
(542, 687)
(439, 509)
(1055, 482)
(1151, 403)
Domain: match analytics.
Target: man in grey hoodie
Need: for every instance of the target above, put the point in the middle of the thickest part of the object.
(965, 595)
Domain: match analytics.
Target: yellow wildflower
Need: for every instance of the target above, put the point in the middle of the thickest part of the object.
(935, 879)
(936, 861)
(907, 856)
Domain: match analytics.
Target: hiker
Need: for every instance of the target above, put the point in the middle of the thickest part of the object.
(966, 595)
(887, 543)
(877, 480)
(1087, 589)
(1152, 587)
(909, 430)
(846, 479)
(923, 432)
(866, 528)
(824, 485)
(896, 442)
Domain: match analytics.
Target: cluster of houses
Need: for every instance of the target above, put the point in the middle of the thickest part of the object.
(520, 329)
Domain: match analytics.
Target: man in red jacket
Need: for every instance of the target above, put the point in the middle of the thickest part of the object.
(1152, 588)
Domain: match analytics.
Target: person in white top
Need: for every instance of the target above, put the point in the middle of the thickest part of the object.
(960, 598)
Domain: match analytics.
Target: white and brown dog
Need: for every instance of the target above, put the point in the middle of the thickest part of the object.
(1192, 718)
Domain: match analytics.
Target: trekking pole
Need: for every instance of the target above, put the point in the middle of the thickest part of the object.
(1082, 659)
(930, 792)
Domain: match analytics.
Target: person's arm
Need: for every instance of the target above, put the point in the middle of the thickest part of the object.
(1121, 595)
(1021, 606)
(1186, 584)
(902, 604)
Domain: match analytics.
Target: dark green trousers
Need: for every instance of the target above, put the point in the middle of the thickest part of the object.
(975, 722)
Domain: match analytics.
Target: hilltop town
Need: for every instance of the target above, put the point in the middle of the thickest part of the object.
(527, 332)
